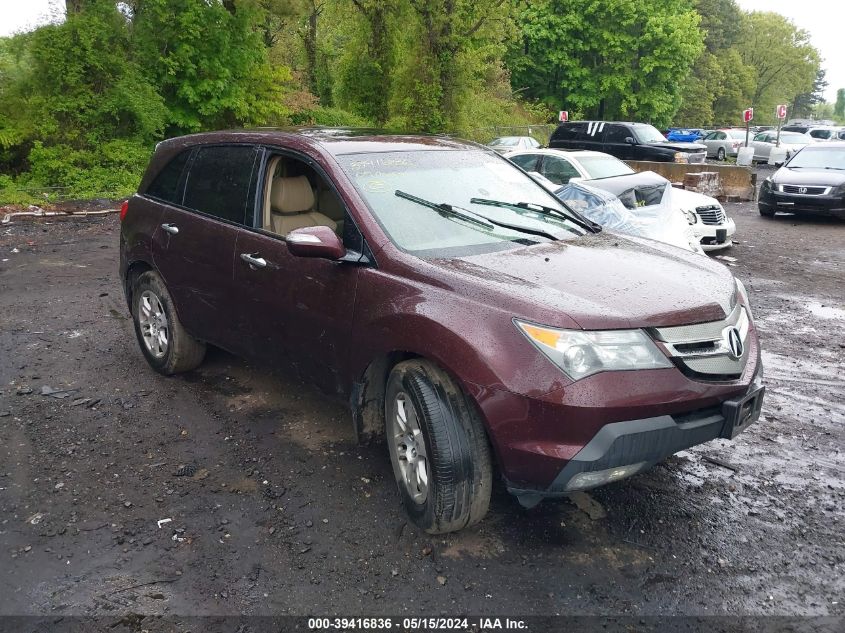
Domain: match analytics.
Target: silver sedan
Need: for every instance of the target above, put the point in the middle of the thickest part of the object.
(723, 143)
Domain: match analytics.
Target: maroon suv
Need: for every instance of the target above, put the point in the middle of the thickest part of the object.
(468, 316)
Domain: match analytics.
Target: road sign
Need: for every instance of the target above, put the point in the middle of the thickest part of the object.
(781, 111)
(563, 116)
(748, 115)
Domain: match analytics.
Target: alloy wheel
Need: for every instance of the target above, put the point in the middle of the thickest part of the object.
(409, 448)
(152, 320)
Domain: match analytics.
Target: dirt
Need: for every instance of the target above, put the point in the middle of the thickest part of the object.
(285, 514)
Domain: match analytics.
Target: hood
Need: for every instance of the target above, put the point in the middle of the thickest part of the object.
(685, 199)
(681, 147)
(598, 281)
(818, 177)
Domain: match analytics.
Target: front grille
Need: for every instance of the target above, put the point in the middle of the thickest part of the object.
(805, 191)
(698, 158)
(703, 349)
(711, 214)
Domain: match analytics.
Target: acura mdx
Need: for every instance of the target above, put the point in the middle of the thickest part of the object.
(471, 320)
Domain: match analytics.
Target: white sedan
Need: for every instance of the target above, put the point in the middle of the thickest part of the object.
(790, 141)
(709, 221)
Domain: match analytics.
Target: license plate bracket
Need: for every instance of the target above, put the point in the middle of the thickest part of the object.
(721, 236)
(741, 413)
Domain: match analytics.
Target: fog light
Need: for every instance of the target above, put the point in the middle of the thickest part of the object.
(583, 481)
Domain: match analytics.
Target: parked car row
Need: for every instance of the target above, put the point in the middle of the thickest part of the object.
(465, 314)
(704, 215)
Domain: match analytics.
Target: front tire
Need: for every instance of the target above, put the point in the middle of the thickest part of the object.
(168, 348)
(438, 448)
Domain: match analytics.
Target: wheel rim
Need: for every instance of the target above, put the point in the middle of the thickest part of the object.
(721, 154)
(155, 329)
(408, 448)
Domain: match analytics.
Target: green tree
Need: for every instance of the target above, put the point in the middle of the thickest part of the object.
(209, 63)
(607, 58)
(784, 61)
(839, 108)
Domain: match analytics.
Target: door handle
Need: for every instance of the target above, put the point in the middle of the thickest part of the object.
(254, 261)
(170, 228)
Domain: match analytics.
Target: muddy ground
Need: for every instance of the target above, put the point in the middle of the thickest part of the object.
(280, 512)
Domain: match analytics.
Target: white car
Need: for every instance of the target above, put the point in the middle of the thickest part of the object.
(707, 216)
(790, 141)
(505, 144)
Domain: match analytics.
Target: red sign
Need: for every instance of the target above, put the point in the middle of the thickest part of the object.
(748, 115)
(563, 116)
(781, 111)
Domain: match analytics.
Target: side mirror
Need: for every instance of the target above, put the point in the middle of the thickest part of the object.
(315, 241)
(630, 140)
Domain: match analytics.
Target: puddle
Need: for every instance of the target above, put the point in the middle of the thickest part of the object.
(825, 312)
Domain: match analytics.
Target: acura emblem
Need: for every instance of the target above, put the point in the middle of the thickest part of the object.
(802, 189)
(735, 343)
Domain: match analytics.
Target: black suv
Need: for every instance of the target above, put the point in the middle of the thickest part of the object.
(626, 141)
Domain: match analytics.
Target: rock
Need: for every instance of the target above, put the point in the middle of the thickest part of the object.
(587, 504)
(441, 580)
(127, 504)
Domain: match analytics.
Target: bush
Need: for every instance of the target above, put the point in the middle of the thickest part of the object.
(113, 170)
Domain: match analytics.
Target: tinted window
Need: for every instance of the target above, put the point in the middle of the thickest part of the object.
(616, 134)
(558, 170)
(527, 161)
(219, 182)
(568, 131)
(167, 185)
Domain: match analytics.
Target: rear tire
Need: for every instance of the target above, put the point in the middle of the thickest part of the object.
(168, 348)
(720, 155)
(438, 448)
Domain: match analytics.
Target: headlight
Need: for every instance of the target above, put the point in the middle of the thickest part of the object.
(740, 289)
(692, 218)
(681, 157)
(584, 353)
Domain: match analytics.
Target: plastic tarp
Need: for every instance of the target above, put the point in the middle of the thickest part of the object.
(652, 215)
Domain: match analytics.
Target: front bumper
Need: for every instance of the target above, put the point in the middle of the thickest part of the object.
(715, 236)
(832, 205)
(622, 449)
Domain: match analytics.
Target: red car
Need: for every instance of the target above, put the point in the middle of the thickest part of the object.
(468, 317)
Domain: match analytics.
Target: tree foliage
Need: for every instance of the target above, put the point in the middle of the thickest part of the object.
(620, 59)
(83, 102)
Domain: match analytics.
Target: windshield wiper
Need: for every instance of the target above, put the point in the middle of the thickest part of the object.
(449, 210)
(575, 217)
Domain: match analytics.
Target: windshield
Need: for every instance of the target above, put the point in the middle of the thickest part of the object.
(648, 134)
(794, 139)
(506, 141)
(452, 178)
(819, 158)
(603, 166)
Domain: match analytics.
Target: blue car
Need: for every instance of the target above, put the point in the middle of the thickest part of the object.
(685, 134)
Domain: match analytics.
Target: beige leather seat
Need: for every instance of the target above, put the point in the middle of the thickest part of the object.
(292, 204)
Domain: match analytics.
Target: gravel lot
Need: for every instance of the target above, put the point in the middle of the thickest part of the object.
(275, 510)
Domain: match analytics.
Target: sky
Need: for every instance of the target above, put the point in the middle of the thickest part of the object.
(823, 19)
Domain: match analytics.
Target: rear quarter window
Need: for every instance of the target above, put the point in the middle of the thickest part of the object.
(220, 182)
(168, 184)
(567, 131)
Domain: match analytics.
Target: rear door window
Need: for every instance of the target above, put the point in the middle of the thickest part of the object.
(558, 170)
(527, 161)
(221, 182)
(168, 186)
